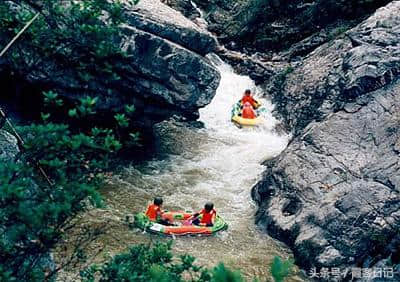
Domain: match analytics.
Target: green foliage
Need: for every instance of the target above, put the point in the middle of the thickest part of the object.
(134, 139)
(51, 98)
(115, 138)
(112, 144)
(280, 269)
(83, 38)
(87, 106)
(147, 263)
(129, 109)
(45, 116)
(33, 212)
(81, 35)
(157, 263)
(222, 274)
(73, 113)
(122, 120)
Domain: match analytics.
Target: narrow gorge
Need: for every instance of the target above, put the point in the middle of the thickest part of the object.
(317, 183)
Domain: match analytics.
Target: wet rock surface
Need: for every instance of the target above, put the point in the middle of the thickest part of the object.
(164, 71)
(257, 66)
(333, 194)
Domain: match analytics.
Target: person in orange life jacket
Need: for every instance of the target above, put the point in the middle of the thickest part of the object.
(248, 111)
(208, 215)
(248, 98)
(154, 212)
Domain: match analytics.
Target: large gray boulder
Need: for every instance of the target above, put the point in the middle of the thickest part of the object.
(334, 194)
(157, 18)
(163, 73)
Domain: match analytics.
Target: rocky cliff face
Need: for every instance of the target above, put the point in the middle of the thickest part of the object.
(163, 73)
(333, 194)
(332, 77)
(278, 24)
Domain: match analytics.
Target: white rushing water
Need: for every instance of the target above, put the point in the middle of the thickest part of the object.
(218, 163)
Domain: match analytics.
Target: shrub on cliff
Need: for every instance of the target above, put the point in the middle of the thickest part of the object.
(42, 190)
(85, 109)
(36, 207)
(78, 34)
(35, 211)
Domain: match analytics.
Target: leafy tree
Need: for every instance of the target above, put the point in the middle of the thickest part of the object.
(79, 35)
(35, 210)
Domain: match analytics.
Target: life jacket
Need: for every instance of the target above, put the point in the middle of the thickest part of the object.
(207, 216)
(153, 211)
(248, 112)
(249, 99)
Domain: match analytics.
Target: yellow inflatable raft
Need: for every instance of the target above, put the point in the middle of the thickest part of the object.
(236, 118)
(247, 121)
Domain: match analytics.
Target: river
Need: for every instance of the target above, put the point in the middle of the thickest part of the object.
(216, 162)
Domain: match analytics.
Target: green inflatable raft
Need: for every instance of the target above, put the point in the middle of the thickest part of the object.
(179, 218)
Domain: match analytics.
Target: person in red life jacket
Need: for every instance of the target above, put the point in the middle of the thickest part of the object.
(208, 215)
(248, 98)
(154, 212)
(248, 111)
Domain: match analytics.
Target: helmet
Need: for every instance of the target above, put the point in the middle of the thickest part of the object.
(158, 201)
(208, 206)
